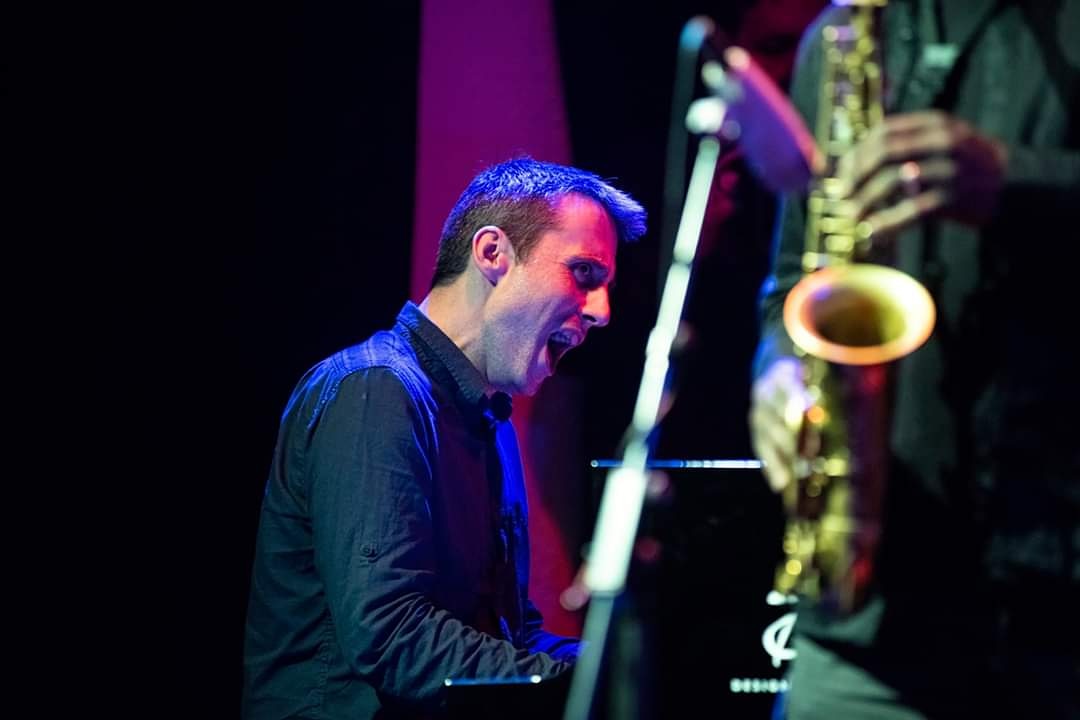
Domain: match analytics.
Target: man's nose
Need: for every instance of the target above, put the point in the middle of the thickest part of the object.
(597, 307)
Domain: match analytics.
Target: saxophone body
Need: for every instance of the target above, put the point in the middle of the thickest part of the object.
(848, 320)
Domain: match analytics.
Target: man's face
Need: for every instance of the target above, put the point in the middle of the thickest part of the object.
(544, 306)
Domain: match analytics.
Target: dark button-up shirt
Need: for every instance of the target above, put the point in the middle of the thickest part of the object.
(392, 550)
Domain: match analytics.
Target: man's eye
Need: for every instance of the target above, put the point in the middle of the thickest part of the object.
(583, 272)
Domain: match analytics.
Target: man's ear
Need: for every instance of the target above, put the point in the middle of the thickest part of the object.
(492, 252)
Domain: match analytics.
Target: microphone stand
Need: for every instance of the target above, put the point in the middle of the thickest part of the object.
(625, 488)
(783, 155)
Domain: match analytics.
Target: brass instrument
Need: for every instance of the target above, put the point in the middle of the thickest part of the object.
(848, 319)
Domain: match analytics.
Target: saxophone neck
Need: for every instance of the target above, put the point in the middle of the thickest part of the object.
(850, 103)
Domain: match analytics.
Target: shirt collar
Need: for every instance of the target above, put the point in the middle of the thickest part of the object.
(449, 366)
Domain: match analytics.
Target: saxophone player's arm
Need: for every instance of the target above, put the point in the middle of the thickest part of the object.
(778, 390)
(778, 395)
(1043, 178)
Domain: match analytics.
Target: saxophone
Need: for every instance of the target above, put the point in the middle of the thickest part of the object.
(848, 320)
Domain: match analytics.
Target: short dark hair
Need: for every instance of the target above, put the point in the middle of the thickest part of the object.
(521, 197)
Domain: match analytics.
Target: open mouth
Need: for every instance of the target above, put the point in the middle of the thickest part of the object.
(558, 344)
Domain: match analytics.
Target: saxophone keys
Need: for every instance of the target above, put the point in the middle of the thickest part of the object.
(840, 244)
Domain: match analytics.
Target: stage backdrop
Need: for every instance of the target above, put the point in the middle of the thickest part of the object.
(489, 89)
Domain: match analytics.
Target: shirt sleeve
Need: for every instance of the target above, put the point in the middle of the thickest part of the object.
(539, 640)
(371, 460)
(789, 237)
(1040, 198)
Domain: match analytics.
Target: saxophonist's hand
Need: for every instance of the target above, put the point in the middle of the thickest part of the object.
(917, 165)
(778, 401)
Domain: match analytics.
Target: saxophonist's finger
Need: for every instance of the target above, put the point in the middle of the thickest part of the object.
(862, 160)
(888, 221)
(774, 446)
(772, 430)
(900, 181)
(777, 472)
(898, 138)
